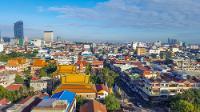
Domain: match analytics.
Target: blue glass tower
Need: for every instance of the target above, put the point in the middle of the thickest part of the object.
(19, 32)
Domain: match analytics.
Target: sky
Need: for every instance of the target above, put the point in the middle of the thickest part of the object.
(107, 20)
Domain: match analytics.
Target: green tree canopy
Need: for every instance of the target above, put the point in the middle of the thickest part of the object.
(188, 100)
(112, 103)
(182, 106)
(95, 79)
(88, 69)
(19, 79)
(109, 76)
(43, 72)
(80, 101)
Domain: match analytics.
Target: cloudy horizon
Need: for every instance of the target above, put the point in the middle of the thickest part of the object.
(128, 20)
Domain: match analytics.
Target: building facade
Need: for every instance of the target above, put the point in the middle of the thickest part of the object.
(48, 37)
(19, 32)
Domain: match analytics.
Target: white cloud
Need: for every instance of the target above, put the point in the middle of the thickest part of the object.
(137, 13)
(40, 9)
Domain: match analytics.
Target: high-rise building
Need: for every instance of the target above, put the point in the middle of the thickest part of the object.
(48, 37)
(18, 29)
(172, 41)
(19, 32)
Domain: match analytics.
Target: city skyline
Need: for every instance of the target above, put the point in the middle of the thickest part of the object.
(116, 20)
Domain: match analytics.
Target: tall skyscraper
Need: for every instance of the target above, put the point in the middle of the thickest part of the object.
(18, 29)
(48, 37)
(19, 32)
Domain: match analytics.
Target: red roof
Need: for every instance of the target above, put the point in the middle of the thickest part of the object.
(144, 68)
(93, 106)
(97, 63)
(14, 87)
(34, 78)
(4, 101)
(137, 63)
(84, 63)
(2, 67)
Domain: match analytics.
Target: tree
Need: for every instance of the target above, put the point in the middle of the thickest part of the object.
(88, 69)
(79, 101)
(42, 72)
(51, 68)
(186, 100)
(19, 79)
(112, 103)
(95, 79)
(182, 106)
(109, 76)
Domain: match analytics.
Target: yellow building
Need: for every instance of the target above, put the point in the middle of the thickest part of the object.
(75, 79)
(64, 70)
(79, 84)
(141, 51)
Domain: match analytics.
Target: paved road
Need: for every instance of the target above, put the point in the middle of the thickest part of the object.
(132, 95)
(135, 98)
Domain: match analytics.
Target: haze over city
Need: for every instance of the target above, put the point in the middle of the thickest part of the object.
(99, 56)
(116, 20)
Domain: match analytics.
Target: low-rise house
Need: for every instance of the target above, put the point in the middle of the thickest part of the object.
(102, 91)
(63, 101)
(2, 68)
(7, 79)
(37, 65)
(93, 106)
(166, 86)
(97, 64)
(4, 101)
(144, 72)
(14, 87)
(24, 105)
(39, 85)
(122, 67)
(81, 65)
(186, 64)
(154, 51)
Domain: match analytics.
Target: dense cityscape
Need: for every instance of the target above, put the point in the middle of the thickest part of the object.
(55, 75)
(51, 73)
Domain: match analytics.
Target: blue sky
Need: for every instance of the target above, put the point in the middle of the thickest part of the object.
(119, 20)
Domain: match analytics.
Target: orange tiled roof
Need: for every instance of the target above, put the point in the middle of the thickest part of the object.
(39, 63)
(13, 62)
(97, 62)
(14, 87)
(79, 62)
(16, 61)
(93, 106)
(21, 60)
(77, 88)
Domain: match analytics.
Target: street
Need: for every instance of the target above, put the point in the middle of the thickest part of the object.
(139, 103)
